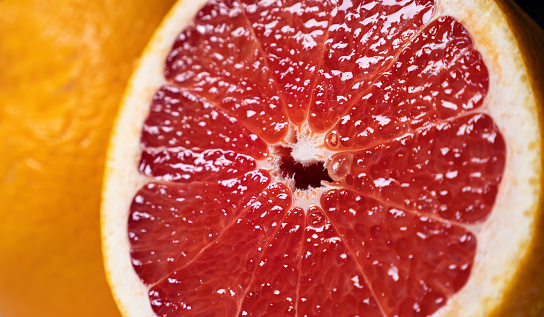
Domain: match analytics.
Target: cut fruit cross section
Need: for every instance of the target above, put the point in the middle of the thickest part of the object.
(304, 158)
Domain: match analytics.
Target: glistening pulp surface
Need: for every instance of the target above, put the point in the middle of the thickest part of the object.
(393, 90)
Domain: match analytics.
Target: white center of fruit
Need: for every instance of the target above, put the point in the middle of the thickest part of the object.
(305, 152)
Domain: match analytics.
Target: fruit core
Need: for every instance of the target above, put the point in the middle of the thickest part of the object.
(304, 175)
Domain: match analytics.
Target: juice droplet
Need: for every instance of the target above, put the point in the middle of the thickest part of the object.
(315, 217)
(339, 166)
(332, 139)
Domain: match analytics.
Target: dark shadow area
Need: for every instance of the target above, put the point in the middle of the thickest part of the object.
(304, 176)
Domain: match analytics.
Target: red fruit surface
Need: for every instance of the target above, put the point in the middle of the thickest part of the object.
(395, 91)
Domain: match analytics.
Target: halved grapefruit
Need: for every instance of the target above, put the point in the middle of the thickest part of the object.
(302, 158)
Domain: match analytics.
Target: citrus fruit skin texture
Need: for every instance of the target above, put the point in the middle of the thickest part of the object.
(525, 296)
(64, 67)
(196, 161)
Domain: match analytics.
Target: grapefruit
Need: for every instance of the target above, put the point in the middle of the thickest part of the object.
(301, 158)
(64, 67)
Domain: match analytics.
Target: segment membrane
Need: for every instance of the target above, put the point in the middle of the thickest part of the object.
(451, 170)
(437, 76)
(215, 282)
(412, 263)
(332, 282)
(274, 288)
(178, 118)
(186, 139)
(364, 37)
(218, 58)
(291, 34)
(169, 224)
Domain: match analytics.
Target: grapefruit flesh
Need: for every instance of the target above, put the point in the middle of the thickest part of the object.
(317, 158)
(444, 165)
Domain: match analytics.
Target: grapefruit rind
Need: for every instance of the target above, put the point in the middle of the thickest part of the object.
(502, 239)
(505, 236)
(121, 180)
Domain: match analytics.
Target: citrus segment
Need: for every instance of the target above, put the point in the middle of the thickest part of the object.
(183, 219)
(363, 38)
(452, 169)
(320, 158)
(178, 118)
(187, 139)
(215, 281)
(291, 34)
(273, 287)
(331, 282)
(437, 76)
(219, 59)
(413, 263)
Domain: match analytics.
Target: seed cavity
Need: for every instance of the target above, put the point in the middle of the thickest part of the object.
(304, 175)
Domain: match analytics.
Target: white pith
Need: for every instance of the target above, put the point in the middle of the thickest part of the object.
(502, 239)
